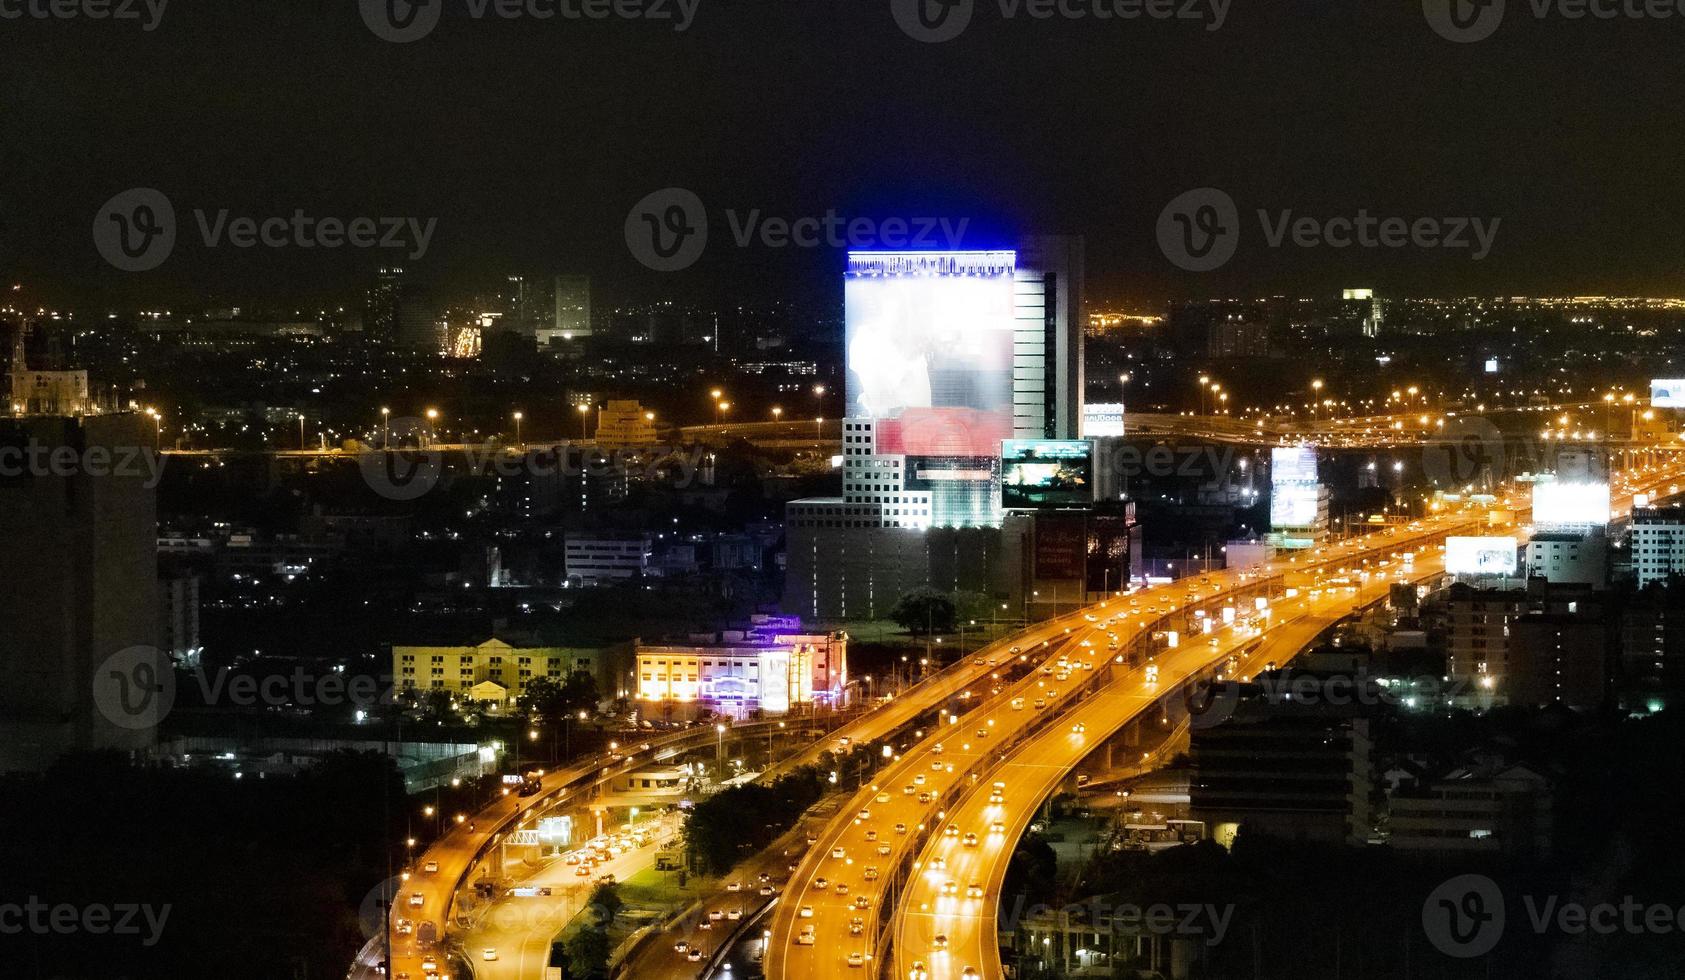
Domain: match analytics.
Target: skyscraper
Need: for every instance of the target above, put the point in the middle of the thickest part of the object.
(79, 613)
(1047, 344)
(573, 312)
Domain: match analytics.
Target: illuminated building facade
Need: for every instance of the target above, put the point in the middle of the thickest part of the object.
(498, 671)
(737, 672)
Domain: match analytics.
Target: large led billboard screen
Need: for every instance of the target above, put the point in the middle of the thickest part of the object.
(929, 338)
(1480, 556)
(1570, 504)
(1043, 474)
(1294, 464)
(1294, 505)
(1102, 419)
(1667, 393)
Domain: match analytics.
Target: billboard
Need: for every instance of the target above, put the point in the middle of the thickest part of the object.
(1061, 547)
(1043, 474)
(1480, 556)
(1570, 504)
(1293, 464)
(929, 349)
(1100, 419)
(1294, 505)
(1667, 393)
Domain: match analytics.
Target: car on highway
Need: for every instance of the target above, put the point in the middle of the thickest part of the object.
(806, 912)
(489, 954)
(842, 888)
(862, 902)
(417, 900)
(821, 883)
(884, 850)
(951, 832)
(918, 972)
(950, 887)
(918, 780)
(871, 872)
(900, 828)
(838, 853)
(973, 890)
(1078, 728)
(805, 937)
(856, 959)
(856, 926)
(940, 943)
(431, 867)
(970, 840)
(735, 886)
(681, 946)
(695, 954)
(883, 797)
(768, 891)
(734, 915)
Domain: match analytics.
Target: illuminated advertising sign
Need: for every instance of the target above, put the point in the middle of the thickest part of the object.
(1294, 464)
(555, 830)
(929, 338)
(1667, 393)
(1295, 495)
(1101, 419)
(1570, 504)
(1480, 556)
(1041, 474)
(1294, 505)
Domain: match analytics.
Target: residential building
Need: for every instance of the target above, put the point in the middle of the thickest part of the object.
(1657, 543)
(593, 560)
(1569, 558)
(1476, 810)
(1300, 772)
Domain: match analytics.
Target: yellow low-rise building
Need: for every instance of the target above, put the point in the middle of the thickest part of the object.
(496, 671)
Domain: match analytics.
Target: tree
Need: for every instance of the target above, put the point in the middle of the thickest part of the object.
(546, 699)
(605, 901)
(588, 951)
(924, 611)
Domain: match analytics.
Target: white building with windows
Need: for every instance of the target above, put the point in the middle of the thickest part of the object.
(593, 560)
(1657, 543)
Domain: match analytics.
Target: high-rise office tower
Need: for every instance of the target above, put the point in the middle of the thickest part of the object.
(1047, 344)
(573, 312)
(79, 613)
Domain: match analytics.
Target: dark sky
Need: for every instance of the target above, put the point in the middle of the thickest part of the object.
(529, 141)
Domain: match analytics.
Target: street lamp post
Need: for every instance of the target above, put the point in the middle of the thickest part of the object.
(385, 428)
(584, 417)
(518, 442)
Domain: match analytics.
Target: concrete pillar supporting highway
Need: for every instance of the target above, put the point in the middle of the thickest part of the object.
(1132, 734)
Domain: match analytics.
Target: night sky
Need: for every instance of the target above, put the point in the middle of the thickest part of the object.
(529, 141)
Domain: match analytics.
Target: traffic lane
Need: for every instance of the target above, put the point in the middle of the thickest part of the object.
(941, 770)
(968, 925)
(520, 929)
